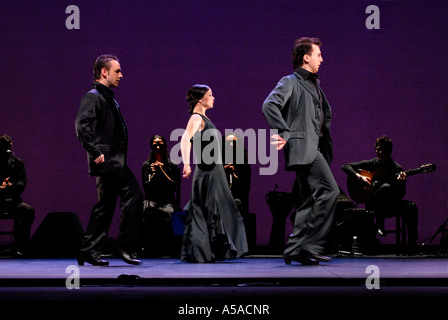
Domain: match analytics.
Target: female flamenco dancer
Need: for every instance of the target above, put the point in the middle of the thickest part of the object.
(214, 229)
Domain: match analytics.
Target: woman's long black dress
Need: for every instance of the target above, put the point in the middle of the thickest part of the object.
(214, 229)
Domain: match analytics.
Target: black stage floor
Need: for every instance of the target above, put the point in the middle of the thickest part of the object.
(254, 287)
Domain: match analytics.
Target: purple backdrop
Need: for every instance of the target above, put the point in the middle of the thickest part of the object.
(388, 81)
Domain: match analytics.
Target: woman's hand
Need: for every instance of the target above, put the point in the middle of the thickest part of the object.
(187, 171)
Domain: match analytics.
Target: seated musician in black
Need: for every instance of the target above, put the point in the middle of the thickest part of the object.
(388, 186)
(238, 171)
(161, 183)
(13, 180)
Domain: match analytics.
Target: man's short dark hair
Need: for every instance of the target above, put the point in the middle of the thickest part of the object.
(303, 46)
(101, 62)
(5, 143)
(385, 143)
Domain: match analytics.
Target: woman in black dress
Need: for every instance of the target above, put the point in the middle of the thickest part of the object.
(161, 182)
(214, 229)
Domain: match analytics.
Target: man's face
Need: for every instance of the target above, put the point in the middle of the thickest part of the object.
(231, 140)
(5, 150)
(313, 60)
(113, 75)
(382, 153)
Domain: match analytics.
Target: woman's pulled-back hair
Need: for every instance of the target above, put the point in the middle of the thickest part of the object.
(195, 94)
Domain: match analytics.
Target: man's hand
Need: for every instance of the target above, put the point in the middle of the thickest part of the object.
(6, 183)
(365, 179)
(229, 167)
(280, 142)
(100, 159)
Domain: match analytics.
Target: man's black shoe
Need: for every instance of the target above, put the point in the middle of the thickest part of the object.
(85, 257)
(318, 257)
(127, 257)
(302, 259)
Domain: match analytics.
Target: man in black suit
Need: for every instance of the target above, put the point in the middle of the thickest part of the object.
(299, 110)
(102, 131)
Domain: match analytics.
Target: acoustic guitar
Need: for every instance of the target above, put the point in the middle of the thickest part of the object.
(361, 192)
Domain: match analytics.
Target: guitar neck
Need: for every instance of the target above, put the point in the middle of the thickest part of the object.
(412, 172)
(423, 169)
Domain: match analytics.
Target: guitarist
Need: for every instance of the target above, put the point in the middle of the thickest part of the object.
(388, 186)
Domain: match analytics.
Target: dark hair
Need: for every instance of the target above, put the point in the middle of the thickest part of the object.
(101, 62)
(195, 94)
(238, 146)
(385, 143)
(151, 157)
(5, 142)
(303, 46)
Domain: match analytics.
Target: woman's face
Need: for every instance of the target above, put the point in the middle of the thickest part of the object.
(208, 99)
(158, 145)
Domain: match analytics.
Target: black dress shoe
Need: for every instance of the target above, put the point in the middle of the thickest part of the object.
(307, 261)
(302, 259)
(84, 257)
(318, 257)
(127, 257)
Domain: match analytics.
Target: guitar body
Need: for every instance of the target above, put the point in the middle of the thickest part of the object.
(361, 192)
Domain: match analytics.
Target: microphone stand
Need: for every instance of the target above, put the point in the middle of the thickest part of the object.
(444, 241)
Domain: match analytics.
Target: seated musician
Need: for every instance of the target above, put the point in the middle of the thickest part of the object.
(13, 180)
(386, 187)
(161, 183)
(238, 171)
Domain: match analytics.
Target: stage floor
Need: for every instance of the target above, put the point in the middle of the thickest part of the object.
(241, 287)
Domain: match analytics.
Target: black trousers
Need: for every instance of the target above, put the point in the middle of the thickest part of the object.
(157, 230)
(109, 187)
(386, 203)
(24, 216)
(316, 196)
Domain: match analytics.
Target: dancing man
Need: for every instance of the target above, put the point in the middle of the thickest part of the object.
(299, 110)
(102, 132)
